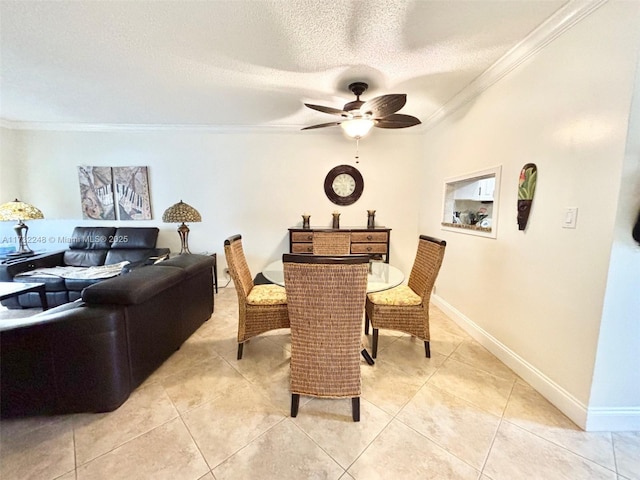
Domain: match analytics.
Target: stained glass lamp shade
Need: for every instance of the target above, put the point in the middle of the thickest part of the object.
(20, 211)
(180, 213)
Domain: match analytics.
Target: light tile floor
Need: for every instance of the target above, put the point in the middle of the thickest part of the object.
(204, 415)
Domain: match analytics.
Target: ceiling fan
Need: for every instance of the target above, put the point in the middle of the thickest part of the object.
(358, 117)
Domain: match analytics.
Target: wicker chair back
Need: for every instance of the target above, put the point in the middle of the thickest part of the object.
(326, 298)
(426, 266)
(331, 243)
(260, 307)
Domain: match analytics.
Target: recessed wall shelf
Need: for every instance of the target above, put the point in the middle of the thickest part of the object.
(470, 203)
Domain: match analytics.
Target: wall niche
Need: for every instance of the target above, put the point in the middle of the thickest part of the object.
(470, 203)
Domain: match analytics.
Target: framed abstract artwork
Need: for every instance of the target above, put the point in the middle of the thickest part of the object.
(96, 193)
(110, 193)
(131, 185)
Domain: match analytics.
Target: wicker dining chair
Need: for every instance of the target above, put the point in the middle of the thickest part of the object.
(260, 307)
(331, 243)
(326, 297)
(406, 307)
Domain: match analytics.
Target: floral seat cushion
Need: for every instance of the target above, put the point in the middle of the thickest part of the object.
(267, 295)
(401, 295)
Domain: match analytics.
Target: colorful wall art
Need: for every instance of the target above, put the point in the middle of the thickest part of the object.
(526, 191)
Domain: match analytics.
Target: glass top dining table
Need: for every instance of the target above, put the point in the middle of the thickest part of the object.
(382, 276)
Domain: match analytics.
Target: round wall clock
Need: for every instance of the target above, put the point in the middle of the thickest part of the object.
(343, 185)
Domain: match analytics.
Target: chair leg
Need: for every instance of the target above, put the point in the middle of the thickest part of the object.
(427, 350)
(366, 323)
(367, 357)
(295, 403)
(240, 347)
(374, 347)
(355, 408)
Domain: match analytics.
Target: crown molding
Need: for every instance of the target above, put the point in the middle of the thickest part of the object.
(562, 20)
(126, 127)
(149, 128)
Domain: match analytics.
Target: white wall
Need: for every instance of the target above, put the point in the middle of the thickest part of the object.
(615, 393)
(536, 297)
(10, 155)
(256, 184)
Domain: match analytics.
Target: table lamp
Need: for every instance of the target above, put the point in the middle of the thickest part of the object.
(20, 211)
(181, 213)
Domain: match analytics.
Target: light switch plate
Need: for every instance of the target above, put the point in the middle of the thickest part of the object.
(570, 217)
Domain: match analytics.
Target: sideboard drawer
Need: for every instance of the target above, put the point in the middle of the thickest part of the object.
(369, 248)
(301, 248)
(369, 241)
(301, 237)
(363, 237)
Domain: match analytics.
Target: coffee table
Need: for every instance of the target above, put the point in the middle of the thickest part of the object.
(13, 289)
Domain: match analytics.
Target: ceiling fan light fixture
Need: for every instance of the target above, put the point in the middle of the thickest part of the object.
(358, 116)
(357, 127)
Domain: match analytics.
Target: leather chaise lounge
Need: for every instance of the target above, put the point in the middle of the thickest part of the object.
(88, 247)
(89, 355)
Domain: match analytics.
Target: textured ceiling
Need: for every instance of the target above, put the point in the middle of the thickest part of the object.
(244, 63)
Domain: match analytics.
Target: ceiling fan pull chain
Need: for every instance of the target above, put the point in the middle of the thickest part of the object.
(357, 150)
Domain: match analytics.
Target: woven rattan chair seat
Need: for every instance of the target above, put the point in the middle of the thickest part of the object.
(267, 295)
(402, 295)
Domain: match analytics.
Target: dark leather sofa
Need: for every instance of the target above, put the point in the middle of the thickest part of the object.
(88, 247)
(88, 355)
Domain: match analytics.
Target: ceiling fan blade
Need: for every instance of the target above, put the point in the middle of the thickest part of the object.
(322, 125)
(320, 108)
(397, 120)
(384, 105)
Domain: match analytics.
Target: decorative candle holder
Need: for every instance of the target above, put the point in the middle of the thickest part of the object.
(371, 218)
(305, 221)
(336, 220)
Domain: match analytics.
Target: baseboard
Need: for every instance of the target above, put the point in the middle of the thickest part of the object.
(594, 419)
(613, 419)
(558, 396)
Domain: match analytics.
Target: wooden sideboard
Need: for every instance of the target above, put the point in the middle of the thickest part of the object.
(372, 241)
